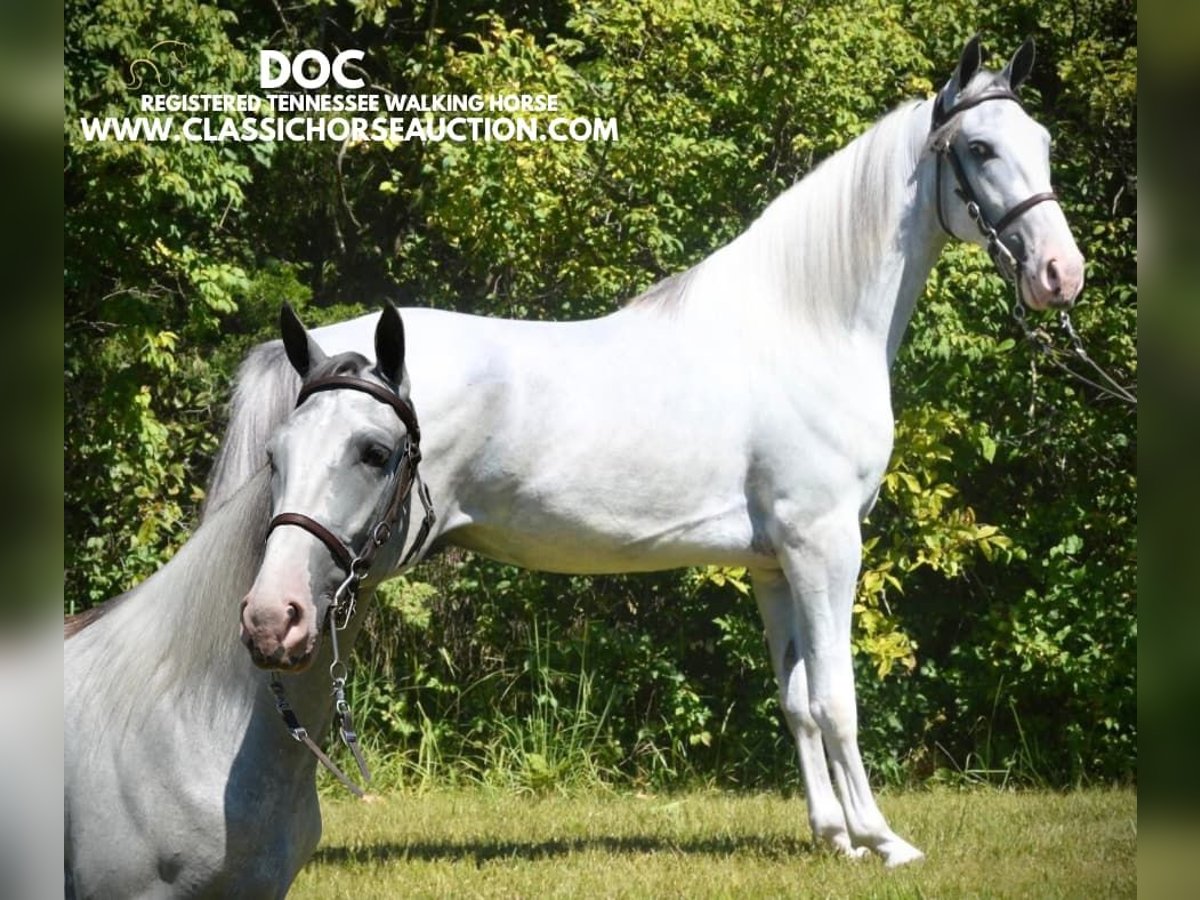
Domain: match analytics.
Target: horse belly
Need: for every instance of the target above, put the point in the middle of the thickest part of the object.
(569, 552)
(633, 520)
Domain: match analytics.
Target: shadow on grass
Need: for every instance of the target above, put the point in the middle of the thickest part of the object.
(484, 851)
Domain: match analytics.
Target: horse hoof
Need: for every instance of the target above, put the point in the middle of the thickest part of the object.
(899, 853)
(839, 844)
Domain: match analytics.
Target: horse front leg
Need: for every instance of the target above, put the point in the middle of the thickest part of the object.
(821, 568)
(778, 612)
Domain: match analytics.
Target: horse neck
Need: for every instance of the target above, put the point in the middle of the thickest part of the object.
(847, 250)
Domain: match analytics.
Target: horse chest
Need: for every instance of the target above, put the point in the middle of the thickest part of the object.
(185, 808)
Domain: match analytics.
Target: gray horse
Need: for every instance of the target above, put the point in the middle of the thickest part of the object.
(181, 779)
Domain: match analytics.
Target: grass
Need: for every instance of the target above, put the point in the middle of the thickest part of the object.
(488, 843)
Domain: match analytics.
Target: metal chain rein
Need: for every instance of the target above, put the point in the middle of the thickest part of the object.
(342, 606)
(1109, 388)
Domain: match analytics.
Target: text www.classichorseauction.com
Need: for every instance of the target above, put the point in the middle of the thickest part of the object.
(358, 116)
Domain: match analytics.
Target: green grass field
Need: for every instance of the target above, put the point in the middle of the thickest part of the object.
(480, 843)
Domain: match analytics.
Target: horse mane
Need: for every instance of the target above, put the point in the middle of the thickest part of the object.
(819, 230)
(72, 625)
(167, 635)
(811, 247)
(667, 293)
(265, 391)
(822, 237)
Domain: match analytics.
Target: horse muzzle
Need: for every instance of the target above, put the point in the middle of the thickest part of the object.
(281, 634)
(1055, 281)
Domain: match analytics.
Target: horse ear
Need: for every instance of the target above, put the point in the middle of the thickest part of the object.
(1020, 65)
(302, 351)
(968, 63)
(389, 345)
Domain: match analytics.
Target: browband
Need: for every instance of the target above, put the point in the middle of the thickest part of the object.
(941, 117)
(378, 391)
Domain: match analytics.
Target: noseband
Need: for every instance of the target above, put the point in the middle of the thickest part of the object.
(357, 565)
(1006, 262)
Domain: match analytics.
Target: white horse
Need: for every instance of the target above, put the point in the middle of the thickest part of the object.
(181, 777)
(736, 414)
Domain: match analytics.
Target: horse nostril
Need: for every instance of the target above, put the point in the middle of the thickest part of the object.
(1052, 276)
(293, 613)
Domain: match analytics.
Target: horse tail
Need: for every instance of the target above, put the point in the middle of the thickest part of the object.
(264, 393)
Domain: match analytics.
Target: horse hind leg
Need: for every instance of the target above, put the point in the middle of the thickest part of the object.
(825, 815)
(821, 568)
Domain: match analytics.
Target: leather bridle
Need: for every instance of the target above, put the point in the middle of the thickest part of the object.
(1006, 262)
(356, 565)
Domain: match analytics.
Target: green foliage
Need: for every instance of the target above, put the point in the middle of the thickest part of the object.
(995, 631)
(928, 528)
(508, 674)
(152, 267)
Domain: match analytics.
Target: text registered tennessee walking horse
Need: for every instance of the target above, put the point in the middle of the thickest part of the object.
(180, 778)
(736, 414)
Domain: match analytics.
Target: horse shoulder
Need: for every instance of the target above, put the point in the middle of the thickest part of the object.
(823, 437)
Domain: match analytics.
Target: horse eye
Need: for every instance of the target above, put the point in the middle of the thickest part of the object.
(376, 455)
(981, 150)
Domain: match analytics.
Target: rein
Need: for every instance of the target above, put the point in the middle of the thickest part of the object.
(1041, 341)
(357, 565)
(1006, 262)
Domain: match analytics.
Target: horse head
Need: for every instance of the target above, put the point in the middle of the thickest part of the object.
(995, 188)
(343, 467)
